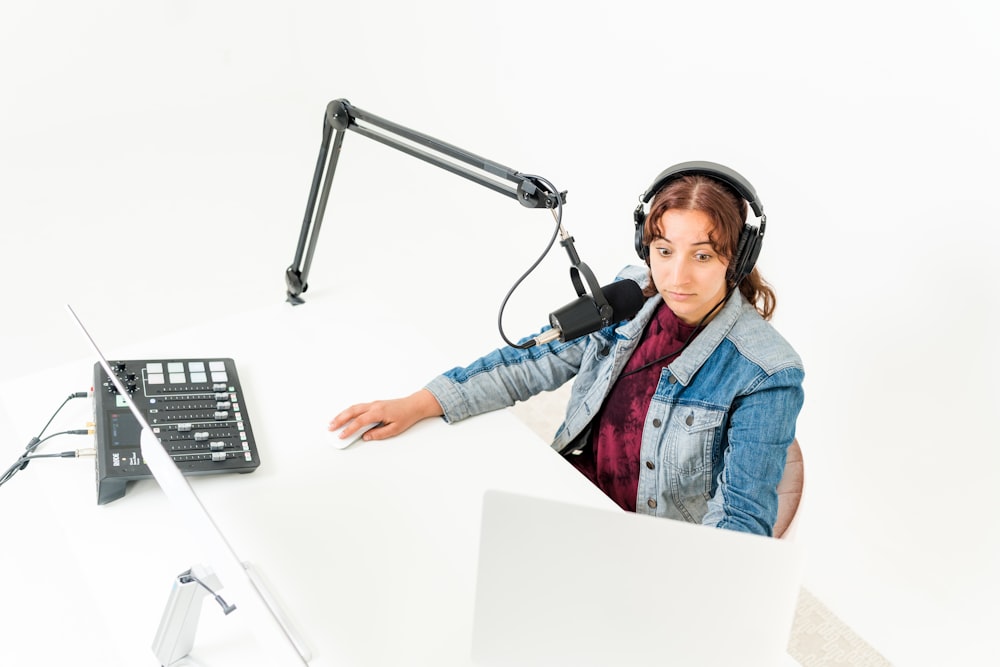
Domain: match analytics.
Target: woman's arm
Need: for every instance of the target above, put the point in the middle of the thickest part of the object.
(494, 381)
(393, 416)
(761, 428)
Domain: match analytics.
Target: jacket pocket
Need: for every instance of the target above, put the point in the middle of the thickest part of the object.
(691, 438)
(690, 441)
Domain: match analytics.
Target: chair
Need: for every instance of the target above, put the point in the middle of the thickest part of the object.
(790, 493)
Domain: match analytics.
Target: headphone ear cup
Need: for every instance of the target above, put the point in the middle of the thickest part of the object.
(641, 249)
(752, 253)
(747, 250)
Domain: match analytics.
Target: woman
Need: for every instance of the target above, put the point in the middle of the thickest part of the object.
(687, 410)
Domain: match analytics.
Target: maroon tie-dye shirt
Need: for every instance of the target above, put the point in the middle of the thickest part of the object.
(612, 459)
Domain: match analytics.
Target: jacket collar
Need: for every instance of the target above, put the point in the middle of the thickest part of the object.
(704, 344)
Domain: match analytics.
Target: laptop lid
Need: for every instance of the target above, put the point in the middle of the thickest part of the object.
(561, 584)
(236, 575)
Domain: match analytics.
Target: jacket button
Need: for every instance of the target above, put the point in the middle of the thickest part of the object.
(672, 379)
(605, 351)
(650, 465)
(689, 420)
(652, 503)
(657, 423)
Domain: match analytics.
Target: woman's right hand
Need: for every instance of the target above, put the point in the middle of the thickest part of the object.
(394, 415)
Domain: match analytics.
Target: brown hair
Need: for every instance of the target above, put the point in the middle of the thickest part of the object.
(728, 211)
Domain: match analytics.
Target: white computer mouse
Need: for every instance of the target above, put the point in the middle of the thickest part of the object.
(342, 443)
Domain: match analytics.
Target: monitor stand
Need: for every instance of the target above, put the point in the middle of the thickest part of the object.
(179, 623)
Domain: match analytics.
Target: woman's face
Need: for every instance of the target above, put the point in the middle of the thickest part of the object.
(687, 271)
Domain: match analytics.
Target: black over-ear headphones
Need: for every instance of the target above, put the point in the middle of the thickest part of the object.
(751, 238)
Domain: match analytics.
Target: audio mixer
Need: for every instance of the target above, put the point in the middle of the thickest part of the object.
(194, 406)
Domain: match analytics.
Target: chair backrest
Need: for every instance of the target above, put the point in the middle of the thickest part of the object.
(790, 492)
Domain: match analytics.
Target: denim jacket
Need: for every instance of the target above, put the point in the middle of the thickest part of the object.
(718, 427)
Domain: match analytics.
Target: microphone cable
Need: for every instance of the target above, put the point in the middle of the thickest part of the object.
(29, 451)
(557, 214)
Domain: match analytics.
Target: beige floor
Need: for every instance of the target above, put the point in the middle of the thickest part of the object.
(819, 638)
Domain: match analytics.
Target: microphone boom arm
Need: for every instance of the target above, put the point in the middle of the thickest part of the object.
(340, 117)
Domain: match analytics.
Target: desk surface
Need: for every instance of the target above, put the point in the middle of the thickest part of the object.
(376, 540)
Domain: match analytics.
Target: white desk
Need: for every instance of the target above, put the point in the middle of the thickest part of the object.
(371, 549)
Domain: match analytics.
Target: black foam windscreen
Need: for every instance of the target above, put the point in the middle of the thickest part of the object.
(581, 316)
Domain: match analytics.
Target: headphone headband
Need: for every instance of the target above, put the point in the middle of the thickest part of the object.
(720, 172)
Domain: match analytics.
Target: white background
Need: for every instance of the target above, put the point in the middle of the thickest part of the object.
(155, 159)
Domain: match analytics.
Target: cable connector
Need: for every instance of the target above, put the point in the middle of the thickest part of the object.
(29, 451)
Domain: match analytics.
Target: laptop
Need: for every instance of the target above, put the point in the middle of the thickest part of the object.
(243, 585)
(561, 584)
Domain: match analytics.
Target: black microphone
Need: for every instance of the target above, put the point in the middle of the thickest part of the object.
(583, 316)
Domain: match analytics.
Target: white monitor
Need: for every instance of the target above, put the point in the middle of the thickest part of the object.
(243, 588)
(562, 584)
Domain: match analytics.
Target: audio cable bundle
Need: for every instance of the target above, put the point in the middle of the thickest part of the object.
(29, 451)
